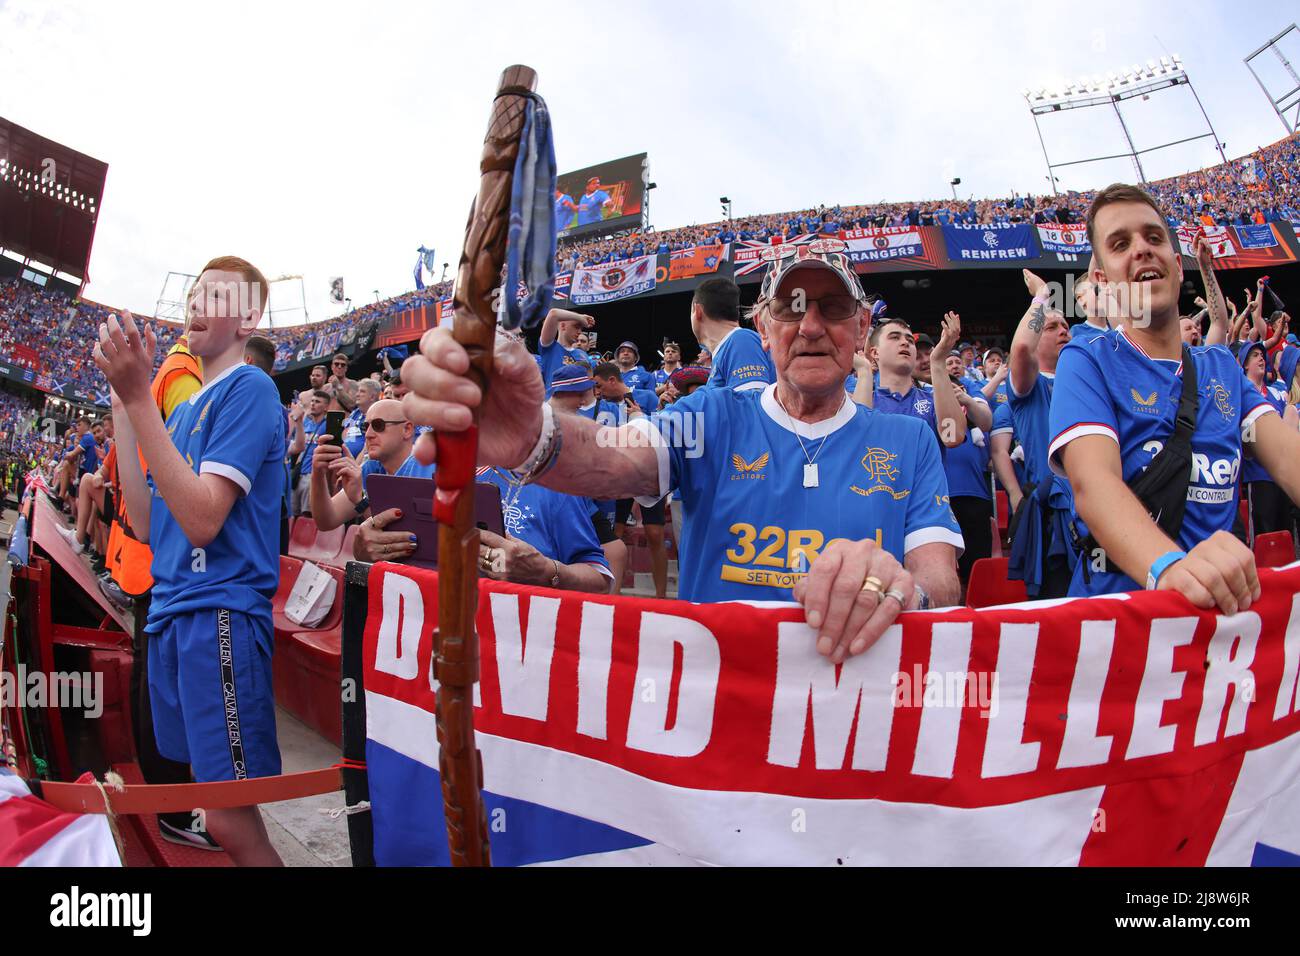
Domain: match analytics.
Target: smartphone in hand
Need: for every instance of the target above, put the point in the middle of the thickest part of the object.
(334, 426)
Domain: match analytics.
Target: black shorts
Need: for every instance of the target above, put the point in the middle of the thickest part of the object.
(604, 527)
(653, 515)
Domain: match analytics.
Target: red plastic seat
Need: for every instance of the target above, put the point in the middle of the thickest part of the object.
(301, 536)
(308, 667)
(1243, 511)
(989, 585)
(289, 571)
(1003, 510)
(344, 555)
(324, 549)
(1275, 549)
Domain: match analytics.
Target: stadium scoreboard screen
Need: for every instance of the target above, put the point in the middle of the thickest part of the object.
(607, 196)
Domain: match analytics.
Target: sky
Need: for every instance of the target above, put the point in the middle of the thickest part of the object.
(324, 139)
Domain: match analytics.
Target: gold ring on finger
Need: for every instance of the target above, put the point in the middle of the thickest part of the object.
(874, 585)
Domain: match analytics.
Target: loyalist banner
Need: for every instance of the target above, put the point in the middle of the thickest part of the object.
(1131, 730)
(612, 280)
(989, 243)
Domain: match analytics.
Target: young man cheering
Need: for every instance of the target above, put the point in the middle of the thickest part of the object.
(1116, 402)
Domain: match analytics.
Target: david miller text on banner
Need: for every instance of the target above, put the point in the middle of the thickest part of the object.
(1111, 731)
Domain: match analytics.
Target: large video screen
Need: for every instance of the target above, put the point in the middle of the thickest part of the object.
(605, 196)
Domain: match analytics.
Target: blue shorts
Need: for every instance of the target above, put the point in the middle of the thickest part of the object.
(211, 693)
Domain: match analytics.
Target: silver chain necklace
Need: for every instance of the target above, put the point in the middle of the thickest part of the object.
(810, 478)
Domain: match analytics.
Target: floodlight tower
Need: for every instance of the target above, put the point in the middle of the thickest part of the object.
(1111, 90)
(1281, 104)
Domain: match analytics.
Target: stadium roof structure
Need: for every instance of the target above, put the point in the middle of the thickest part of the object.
(50, 197)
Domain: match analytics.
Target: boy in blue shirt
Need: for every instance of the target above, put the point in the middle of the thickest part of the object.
(211, 505)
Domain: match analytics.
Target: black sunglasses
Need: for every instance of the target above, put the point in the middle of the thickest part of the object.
(379, 424)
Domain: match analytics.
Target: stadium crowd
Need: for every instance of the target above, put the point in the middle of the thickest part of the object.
(1260, 188)
(754, 455)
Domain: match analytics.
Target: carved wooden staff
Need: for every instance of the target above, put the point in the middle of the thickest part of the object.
(455, 643)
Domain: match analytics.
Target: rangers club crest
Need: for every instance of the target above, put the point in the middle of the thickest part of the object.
(613, 278)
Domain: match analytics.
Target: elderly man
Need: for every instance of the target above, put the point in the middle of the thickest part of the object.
(354, 426)
(790, 490)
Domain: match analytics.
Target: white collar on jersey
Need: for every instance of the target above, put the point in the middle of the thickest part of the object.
(207, 385)
(1143, 352)
(804, 430)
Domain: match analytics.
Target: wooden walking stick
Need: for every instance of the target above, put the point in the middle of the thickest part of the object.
(455, 643)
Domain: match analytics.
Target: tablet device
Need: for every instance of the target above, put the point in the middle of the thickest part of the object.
(414, 498)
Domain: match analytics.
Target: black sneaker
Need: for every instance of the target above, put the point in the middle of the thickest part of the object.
(187, 830)
(97, 563)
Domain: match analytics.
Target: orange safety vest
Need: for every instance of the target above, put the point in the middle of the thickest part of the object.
(129, 559)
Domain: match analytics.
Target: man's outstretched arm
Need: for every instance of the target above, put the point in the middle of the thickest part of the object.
(1218, 572)
(594, 460)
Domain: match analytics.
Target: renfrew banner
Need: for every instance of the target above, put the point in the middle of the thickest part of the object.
(1129, 730)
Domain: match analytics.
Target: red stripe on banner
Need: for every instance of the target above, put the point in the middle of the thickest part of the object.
(1173, 820)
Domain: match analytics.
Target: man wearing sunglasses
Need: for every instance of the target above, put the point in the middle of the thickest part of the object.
(791, 492)
(389, 439)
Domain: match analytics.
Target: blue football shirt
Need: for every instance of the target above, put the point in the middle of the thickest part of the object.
(590, 207)
(967, 465)
(354, 432)
(89, 453)
(410, 468)
(311, 429)
(1004, 425)
(1107, 386)
(231, 427)
(1252, 470)
(751, 528)
(551, 358)
(639, 379)
(556, 524)
(915, 402)
(1086, 329)
(740, 361)
(563, 212)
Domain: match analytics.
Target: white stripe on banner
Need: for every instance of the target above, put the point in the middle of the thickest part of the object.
(758, 829)
(1262, 809)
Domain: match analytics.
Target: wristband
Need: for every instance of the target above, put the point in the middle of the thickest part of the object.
(363, 504)
(1160, 565)
(544, 453)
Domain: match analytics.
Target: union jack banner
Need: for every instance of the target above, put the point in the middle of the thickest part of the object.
(747, 254)
(36, 481)
(1124, 730)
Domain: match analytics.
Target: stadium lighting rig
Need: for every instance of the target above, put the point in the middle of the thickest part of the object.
(1291, 98)
(1111, 90)
(30, 182)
